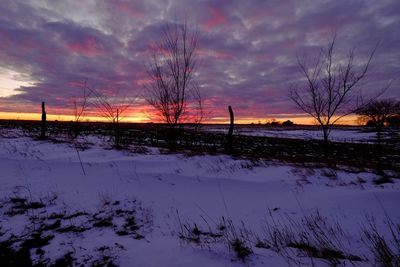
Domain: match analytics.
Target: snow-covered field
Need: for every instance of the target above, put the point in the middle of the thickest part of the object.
(350, 134)
(155, 209)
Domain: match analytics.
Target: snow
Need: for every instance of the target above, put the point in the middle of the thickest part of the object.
(174, 189)
(349, 134)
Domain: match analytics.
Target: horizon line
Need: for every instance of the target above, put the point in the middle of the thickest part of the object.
(299, 120)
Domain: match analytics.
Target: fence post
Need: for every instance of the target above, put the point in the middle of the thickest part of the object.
(230, 133)
(43, 124)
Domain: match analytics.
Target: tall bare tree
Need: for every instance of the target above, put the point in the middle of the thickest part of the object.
(331, 90)
(171, 70)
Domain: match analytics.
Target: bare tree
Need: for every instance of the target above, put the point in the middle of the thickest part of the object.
(378, 112)
(331, 91)
(198, 113)
(80, 107)
(171, 71)
(112, 109)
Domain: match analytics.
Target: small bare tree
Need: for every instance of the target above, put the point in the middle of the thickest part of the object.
(198, 113)
(331, 91)
(80, 107)
(378, 112)
(171, 71)
(111, 109)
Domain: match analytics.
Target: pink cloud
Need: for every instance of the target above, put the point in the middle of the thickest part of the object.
(222, 55)
(88, 47)
(75, 84)
(127, 8)
(265, 57)
(217, 19)
(203, 53)
(154, 49)
(143, 81)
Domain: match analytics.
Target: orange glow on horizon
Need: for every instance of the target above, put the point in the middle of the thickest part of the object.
(51, 117)
(145, 118)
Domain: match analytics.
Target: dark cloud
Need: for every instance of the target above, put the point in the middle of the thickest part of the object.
(247, 49)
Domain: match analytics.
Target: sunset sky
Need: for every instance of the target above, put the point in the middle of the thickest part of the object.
(247, 51)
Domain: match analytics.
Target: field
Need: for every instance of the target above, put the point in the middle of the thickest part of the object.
(276, 200)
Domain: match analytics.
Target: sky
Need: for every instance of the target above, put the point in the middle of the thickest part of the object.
(247, 51)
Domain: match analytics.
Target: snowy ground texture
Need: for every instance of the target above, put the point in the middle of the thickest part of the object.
(87, 204)
(338, 134)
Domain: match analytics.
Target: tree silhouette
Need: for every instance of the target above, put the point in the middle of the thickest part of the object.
(111, 108)
(80, 107)
(330, 92)
(173, 90)
(378, 112)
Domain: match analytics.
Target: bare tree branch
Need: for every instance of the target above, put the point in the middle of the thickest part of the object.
(171, 71)
(330, 90)
(109, 108)
(378, 112)
(81, 106)
(112, 109)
